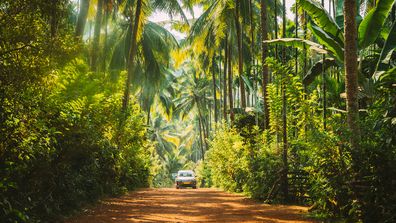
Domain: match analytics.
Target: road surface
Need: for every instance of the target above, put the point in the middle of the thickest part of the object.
(188, 205)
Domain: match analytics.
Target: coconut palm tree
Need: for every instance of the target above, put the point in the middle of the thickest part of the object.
(82, 18)
(193, 99)
(351, 71)
(137, 19)
(264, 51)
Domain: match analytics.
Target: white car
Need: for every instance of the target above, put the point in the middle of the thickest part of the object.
(186, 178)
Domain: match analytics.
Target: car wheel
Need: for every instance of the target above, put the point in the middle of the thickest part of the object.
(195, 187)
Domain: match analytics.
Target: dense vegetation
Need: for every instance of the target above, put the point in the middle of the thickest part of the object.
(96, 99)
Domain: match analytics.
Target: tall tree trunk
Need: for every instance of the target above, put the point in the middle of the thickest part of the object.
(276, 26)
(201, 140)
(105, 47)
(202, 121)
(82, 18)
(148, 117)
(240, 56)
(214, 89)
(220, 86)
(324, 87)
(305, 49)
(54, 17)
(252, 68)
(296, 36)
(225, 78)
(132, 55)
(284, 113)
(96, 38)
(351, 71)
(264, 51)
(230, 97)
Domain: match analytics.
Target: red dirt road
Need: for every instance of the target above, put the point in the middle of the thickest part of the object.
(188, 205)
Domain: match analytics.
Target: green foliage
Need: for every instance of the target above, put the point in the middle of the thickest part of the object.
(74, 141)
(371, 26)
(321, 18)
(299, 43)
(388, 48)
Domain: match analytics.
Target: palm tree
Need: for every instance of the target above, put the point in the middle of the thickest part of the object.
(132, 53)
(161, 133)
(225, 64)
(284, 113)
(264, 51)
(138, 20)
(82, 18)
(240, 53)
(230, 84)
(351, 71)
(214, 88)
(96, 38)
(192, 99)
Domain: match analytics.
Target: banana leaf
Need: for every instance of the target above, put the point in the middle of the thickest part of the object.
(322, 18)
(248, 83)
(331, 44)
(317, 69)
(371, 26)
(299, 43)
(340, 13)
(390, 44)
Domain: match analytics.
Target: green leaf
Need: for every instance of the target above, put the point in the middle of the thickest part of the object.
(298, 43)
(340, 13)
(331, 44)
(248, 82)
(390, 44)
(371, 25)
(321, 17)
(317, 69)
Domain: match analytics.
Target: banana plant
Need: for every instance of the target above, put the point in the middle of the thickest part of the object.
(330, 34)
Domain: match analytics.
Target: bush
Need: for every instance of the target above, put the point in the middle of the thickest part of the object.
(69, 147)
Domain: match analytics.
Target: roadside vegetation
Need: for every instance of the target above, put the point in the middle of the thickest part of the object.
(96, 99)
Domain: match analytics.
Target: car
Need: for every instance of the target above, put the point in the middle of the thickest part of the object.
(186, 178)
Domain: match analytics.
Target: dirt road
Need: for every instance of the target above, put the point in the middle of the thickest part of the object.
(188, 205)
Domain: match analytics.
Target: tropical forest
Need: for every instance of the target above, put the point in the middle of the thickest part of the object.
(283, 110)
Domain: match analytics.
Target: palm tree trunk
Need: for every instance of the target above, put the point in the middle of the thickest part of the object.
(230, 97)
(305, 49)
(240, 56)
(225, 78)
(132, 55)
(252, 68)
(324, 87)
(82, 18)
(351, 72)
(148, 117)
(214, 89)
(54, 18)
(200, 139)
(96, 38)
(264, 51)
(220, 86)
(202, 121)
(105, 47)
(284, 113)
(276, 26)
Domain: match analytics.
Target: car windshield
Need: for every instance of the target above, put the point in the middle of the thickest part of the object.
(185, 174)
